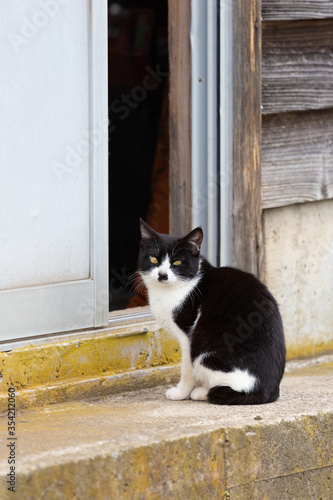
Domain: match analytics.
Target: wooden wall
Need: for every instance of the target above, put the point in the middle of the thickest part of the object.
(247, 209)
(180, 116)
(283, 113)
(297, 101)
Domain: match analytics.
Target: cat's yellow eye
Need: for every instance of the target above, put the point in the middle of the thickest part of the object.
(153, 260)
(177, 263)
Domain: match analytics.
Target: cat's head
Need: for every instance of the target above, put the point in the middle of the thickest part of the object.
(168, 259)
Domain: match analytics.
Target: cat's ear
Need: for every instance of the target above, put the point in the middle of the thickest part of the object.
(194, 238)
(147, 233)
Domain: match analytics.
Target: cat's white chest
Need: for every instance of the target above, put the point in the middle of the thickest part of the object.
(162, 304)
(164, 300)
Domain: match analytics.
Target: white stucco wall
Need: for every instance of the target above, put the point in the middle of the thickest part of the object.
(298, 269)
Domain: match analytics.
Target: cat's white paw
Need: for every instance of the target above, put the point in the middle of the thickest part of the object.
(199, 394)
(177, 394)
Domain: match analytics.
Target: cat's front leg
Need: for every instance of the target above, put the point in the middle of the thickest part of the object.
(179, 392)
(187, 381)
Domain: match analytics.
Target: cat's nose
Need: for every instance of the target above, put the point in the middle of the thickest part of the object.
(162, 276)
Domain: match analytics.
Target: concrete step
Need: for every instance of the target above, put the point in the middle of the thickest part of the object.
(139, 445)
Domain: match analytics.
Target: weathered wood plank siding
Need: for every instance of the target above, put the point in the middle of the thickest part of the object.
(297, 158)
(247, 212)
(180, 116)
(277, 10)
(297, 101)
(297, 65)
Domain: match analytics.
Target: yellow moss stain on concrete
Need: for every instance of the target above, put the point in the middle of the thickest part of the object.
(91, 365)
(46, 365)
(320, 369)
(282, 450)
(185, 467)
(147, 457)
(309, 348)
(171, 466)
(110, 353)
(310, 426)
(99, 386)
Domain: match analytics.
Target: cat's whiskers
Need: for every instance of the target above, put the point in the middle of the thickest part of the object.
(141, 288)
(133, 278)
(136, 283)
(134, 275)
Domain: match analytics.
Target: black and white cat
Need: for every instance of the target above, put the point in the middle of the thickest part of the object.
(227, 322)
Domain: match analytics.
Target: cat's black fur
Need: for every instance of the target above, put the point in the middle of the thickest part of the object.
(239, 321)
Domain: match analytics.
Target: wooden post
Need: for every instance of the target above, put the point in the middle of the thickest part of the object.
(180, 116)
(247, 206)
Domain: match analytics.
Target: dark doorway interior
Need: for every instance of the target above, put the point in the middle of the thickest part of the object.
(138, 94)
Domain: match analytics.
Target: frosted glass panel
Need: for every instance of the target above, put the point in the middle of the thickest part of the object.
(44, 134)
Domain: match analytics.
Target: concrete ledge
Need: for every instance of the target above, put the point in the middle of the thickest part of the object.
(96, 363)
(87, 387)
(138, 445)
(79, 365)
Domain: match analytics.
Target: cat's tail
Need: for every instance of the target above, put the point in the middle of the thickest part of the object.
(223, 395)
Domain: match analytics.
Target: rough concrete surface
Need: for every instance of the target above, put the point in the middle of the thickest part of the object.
(139, 445)
(298, 260)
